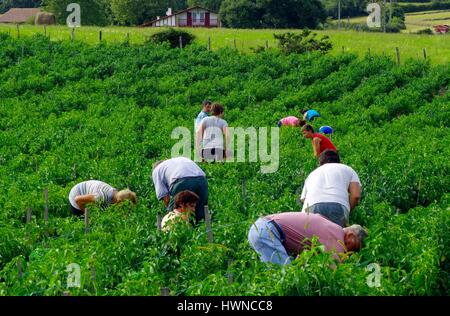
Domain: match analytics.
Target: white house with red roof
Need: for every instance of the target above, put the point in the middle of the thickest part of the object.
(192, 17)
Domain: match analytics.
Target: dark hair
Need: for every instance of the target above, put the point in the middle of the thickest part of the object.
(206, 102)
(302, 122)
(308, 128)
(217, 109)
(303, 111)
(329, 156)
(185, 197)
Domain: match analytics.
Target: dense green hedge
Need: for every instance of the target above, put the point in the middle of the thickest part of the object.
(71, 112)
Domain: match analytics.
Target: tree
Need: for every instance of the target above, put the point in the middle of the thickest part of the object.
(240, 14)
(272, 13)
(213, 5)
(93, 12)
(5, 5)
(136, 12)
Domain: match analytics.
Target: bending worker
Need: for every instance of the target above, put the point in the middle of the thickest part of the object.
(96, 191)
(320, 143)
(332, 190)
(277, 237)
(175, 175)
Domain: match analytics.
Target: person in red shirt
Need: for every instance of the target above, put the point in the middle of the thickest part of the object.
(320, 142)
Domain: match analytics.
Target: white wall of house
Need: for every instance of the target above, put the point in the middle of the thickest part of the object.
(198, 19)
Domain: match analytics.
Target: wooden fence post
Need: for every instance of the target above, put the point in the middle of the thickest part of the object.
(208, 225)
(209, 43)
(19, 268)
(45, 30)
(267, 44)
(398, 55)
(72, 34)
(46, 206)
(29, 211)
(159, 222)
(86, 221)
(230, 274)
(235, 45)
(425, 53)
(18, 31)
(100, 36)
(181, 42)
(368, 50)
(128, 38)
(164, 291)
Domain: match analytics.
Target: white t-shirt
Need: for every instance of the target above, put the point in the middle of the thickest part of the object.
(329, 183)
(213, 132)
(166, 222)
(166, 173)
(103, 192)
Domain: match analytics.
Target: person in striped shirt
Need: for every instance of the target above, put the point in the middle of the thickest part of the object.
(94, 191)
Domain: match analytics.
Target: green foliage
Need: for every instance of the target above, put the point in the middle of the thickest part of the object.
(172, 36)
(72, 112)
(93, 12)
(303, 42)
(272, 13)
(136, 12)
(427, 31)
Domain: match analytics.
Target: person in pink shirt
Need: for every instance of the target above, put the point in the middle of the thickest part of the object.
(277, 237)
(291, 121)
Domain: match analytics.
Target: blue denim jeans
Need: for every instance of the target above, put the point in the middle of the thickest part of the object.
(266, 240)
(334, 212)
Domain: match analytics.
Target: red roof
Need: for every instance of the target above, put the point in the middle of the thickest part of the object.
(176, 13)
(18, 15)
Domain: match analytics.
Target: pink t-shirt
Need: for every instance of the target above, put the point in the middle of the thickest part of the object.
(300, 227)
(290, 121)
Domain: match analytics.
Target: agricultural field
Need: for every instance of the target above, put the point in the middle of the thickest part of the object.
(421, 20)
(414, 21)
(72, 111)
(437, 47)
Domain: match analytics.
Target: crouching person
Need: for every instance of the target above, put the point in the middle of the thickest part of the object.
(184, 209)
(278, 237)
(94, 191)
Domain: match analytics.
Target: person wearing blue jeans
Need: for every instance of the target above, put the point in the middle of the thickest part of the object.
(267, 239)
(278, 238)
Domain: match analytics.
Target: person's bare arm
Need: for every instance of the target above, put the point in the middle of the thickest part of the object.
(198, 140)
(355, 194)
(227, 141)
(83, 200)
(316, 146)
(166, 200)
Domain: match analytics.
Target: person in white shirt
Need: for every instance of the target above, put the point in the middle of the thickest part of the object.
(212, 136)
(332, 190)
(175, 175)
(94, 191)
(185, 203)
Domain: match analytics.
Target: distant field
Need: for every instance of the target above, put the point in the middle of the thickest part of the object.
(414, 21)
(421, 20)
(410, 45)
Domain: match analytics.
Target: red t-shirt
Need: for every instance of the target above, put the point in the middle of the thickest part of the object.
(325, 143)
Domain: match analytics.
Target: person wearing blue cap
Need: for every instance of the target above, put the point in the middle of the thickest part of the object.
(326, 130)
(309, 115)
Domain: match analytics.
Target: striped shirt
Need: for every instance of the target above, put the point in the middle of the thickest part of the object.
(102, 191)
